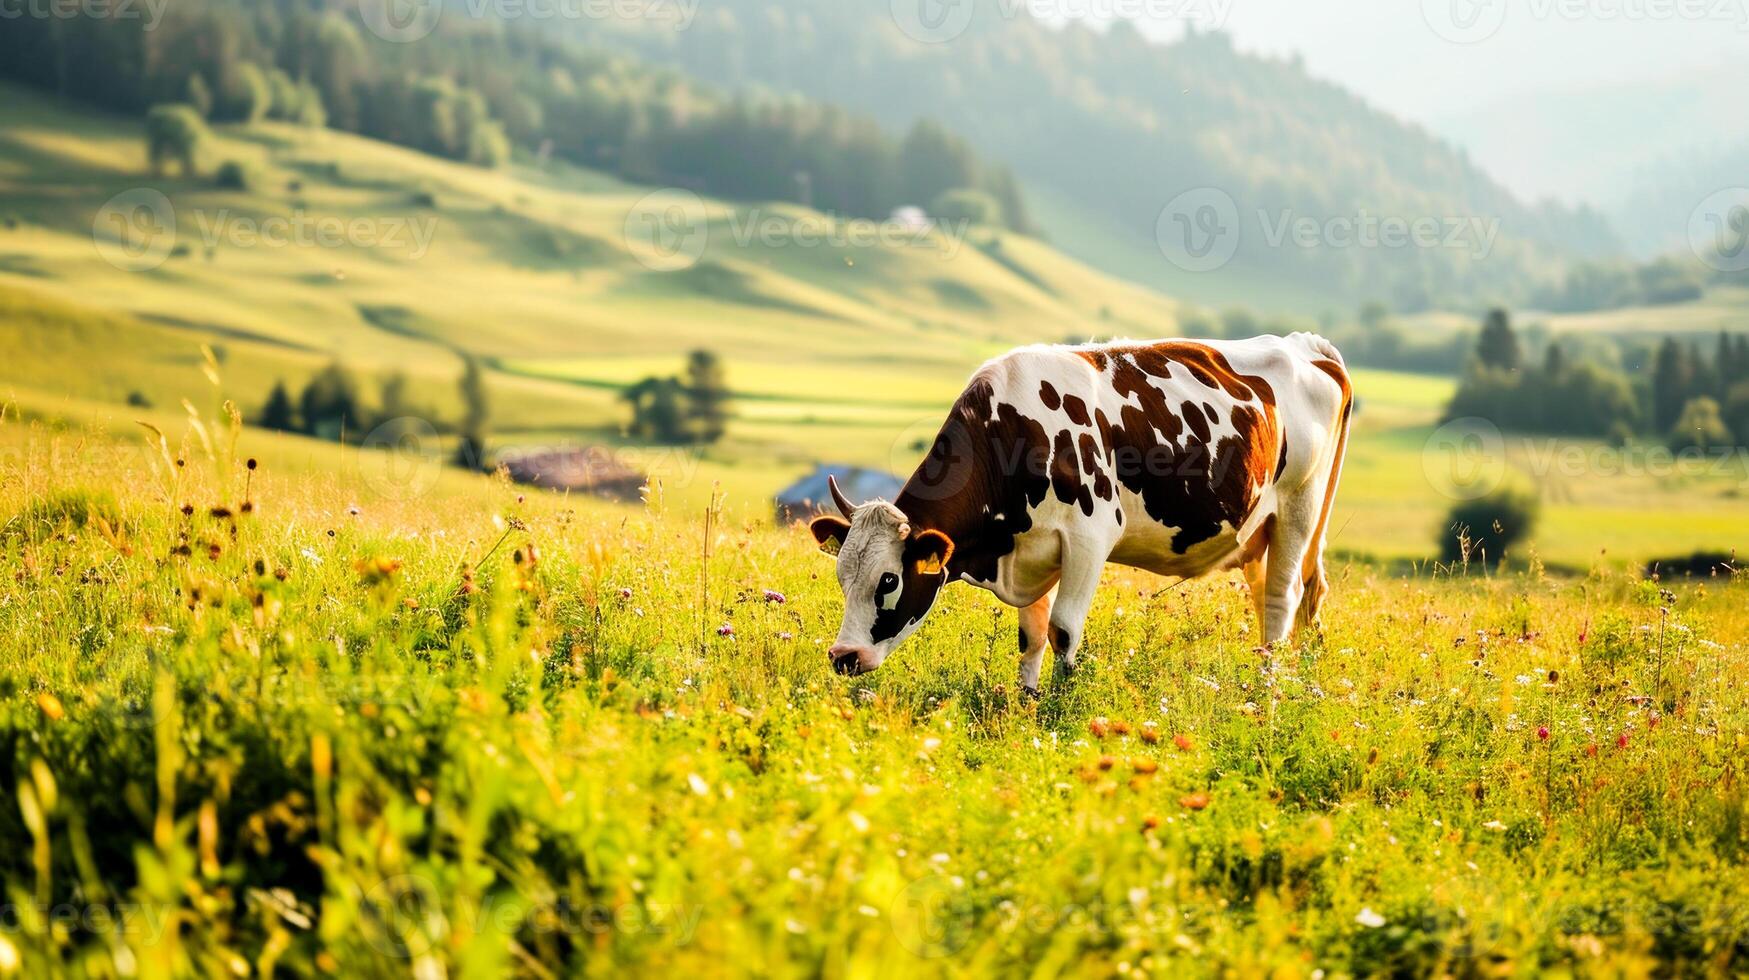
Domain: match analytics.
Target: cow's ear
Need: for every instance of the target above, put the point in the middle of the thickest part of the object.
(928, 552)
(830, 532)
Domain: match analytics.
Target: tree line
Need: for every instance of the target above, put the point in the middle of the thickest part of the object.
(1695, 394)
(475, 95)
(333, 403)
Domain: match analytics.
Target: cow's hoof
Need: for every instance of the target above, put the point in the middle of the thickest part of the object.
(1030, 692)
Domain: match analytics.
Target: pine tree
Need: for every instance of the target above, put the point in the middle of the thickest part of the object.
(278, 413)
(707, 396)
(470, 452)
(1497, 347)
(1671, 375)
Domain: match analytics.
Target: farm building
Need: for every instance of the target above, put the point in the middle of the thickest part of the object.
(809, 496)
(589, 469)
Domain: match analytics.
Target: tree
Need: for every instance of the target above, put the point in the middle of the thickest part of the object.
(707, 396)
(1497, 347)
(1554, 361)
(933, 160)
(329, 403)
(1672, 374)
(278, 413)
(964, 205)
(199, 96)
(174, 132)
(1484, 528)
(657, 413)
(471, 451)
(1700, 427)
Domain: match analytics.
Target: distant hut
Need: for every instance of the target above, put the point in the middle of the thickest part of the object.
(809, 497)
(591, 470)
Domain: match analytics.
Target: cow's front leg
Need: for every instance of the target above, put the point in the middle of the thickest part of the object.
(1081, 569)
(1035, 636)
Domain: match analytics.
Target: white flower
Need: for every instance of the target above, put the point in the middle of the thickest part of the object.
(1369, 918)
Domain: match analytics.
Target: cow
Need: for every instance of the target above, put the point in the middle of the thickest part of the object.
(1175, 456)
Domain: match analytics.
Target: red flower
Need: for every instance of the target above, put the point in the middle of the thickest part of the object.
(1542, 732)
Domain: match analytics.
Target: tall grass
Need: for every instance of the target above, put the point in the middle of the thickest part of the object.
(473, 733)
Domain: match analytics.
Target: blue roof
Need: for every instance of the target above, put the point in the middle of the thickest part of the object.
(859, 483)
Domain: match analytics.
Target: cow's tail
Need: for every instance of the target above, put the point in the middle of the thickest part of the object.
(1329, 360)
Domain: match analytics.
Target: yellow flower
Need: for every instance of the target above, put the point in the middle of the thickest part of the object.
(51, 706)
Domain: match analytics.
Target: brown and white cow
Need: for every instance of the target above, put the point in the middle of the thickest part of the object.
(1178, 457)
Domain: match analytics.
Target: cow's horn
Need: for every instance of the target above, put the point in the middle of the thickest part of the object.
(843, 502)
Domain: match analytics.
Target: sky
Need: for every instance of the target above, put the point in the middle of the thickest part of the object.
(1394, 53)
(1572, 100)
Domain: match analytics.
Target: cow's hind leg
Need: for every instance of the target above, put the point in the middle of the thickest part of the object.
(1081, 569)
(1296, 526)
(1253, 564)
(1035, 638)
(1317, 585)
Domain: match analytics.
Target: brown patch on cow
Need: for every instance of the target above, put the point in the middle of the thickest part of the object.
(1097, 358)
(1090, 459)
(1185, 481)
(1047, 393)
(1198, 422)
(1066, 475)
(1076, 409)
(985, 471)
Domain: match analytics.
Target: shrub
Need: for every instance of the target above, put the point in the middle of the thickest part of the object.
(1484, 528)
(174, 133)
(966, 205)
(232, 175)
(1700, 427)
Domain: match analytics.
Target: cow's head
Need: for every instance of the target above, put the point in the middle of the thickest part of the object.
(890, 573)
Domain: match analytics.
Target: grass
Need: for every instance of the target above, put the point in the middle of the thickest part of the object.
(358, 732)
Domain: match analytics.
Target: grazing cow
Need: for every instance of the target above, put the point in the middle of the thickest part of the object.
(1175, 456)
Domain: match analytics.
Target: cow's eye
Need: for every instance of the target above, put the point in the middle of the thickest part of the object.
(887, 592)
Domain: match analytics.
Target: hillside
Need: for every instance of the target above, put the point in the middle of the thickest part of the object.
(1112, 127)
(541, 270)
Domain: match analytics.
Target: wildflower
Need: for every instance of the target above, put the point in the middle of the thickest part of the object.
(1367, 917)
(50, 706)
(352, 510)
(251, 463)
(726, 630)
(1099, 727)
(625, 593)
(1183, 742)
(786, 636)
(1149, 733)
(1106, 762)
(1120, 727)
(1542, 732)
(1621, 741)
(1591, 749)
(774, 597)
(1144, 765)
(698, 784)
(1194, 801)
